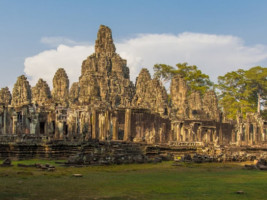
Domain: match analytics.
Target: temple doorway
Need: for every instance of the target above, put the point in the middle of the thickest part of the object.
(120, 134)
(42, 128)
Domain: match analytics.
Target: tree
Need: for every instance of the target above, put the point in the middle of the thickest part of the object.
(241, 91)
(196, 80)
(264, 112)
(257, 81)
(163, 72)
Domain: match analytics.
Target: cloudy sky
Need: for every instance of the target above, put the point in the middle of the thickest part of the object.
(218, 36)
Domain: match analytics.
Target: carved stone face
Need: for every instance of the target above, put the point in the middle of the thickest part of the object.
(5, 96)
(93, 90)
(61, 86)
(21, 92)
(89, 89)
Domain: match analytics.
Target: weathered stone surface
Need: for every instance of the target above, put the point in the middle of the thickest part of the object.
(178, 91)
(7, 162)
(150, 94)
(210, 105)
(142, 82)
(41, 94)
(89, 89)
(74, 92)
(250, 130)
(5, 96)
(105, 75)
(192, 106)
(260, 164)
(21, 94)
(104, 42)
(102, 153)
(195, 106)
(60, 91)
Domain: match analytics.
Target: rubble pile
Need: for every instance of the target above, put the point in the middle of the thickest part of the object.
(260, 164)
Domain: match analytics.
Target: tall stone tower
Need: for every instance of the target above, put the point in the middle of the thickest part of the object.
(21, 94)
(179, 97)
(105, 75)
(41, 93)
(60, 91)
(5, 96)
(150, 94)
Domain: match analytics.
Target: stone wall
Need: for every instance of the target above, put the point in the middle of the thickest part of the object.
(250, 131)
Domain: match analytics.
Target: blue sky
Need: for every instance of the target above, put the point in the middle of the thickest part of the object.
(25, 24)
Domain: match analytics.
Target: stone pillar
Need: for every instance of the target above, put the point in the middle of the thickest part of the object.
(183, 133)
(214, 135)
(22, 120)
(102, 126)
(33, 126)
(5, 127)
(60, 127)
(173, 131)
(262, 134)
(239, 135)
(178, 132)
(107, 126)
(28, 126)
(14, 124)
(115, 127)
(220, 135)
(94, 134)
(77, 129)
(56, 135)
(162, 133)
(255, 134)
(153, 135)
(199, 134)
(142, 130)
(127, 125)
(190, 133)
(208, 135)
(247, 134)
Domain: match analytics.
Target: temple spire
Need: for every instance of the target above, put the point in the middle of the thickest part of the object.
(104, 42)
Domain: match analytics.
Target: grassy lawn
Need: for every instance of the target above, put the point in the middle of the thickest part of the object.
(143, 181)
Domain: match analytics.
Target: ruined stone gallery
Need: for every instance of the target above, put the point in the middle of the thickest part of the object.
(104, 105)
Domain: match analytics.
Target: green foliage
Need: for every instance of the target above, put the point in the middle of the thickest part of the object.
(163, 72)
(241, 90)
(196, 80)
(257, 82)
(264, 114)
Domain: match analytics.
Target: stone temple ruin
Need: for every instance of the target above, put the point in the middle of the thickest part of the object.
(104, 105)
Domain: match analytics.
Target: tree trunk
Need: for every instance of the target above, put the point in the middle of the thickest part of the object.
(259, 103)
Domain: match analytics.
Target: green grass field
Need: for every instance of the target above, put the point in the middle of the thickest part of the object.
(143, 181)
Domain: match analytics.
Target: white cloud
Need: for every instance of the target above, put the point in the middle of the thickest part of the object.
(45, 64)
(214, 54)
(56, 41)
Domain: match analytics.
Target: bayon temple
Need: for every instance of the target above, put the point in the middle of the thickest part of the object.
(104, 105)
